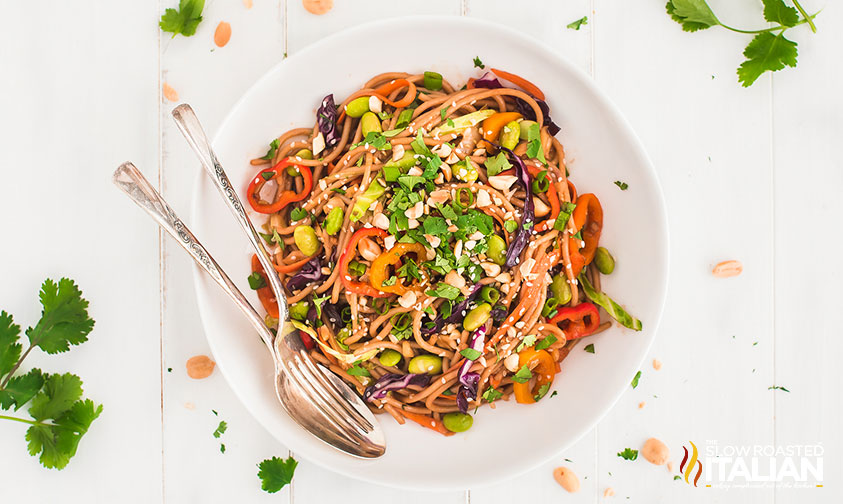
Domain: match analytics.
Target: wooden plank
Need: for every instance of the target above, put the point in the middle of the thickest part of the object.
(709, 141)
(78, 94)
(211, 79)
(808, 113)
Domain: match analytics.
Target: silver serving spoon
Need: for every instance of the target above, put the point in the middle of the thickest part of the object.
(314, 397)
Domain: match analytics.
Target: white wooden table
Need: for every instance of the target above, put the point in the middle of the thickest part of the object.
(750, 174)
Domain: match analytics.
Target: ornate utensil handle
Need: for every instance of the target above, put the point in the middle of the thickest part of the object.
(130, 180)
(191, 128)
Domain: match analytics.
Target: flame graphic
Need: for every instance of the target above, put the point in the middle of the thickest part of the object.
(690, 464)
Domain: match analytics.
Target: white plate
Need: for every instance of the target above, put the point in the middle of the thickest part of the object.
(600, 148)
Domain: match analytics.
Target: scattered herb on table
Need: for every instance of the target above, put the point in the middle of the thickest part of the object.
(589, 348)
(635, 379)
(627, 454)
(60, 416)
(576, 25)
(676, 477)
(478, 64)
(768, 51)
(221, 428)
(184, 20)
(276, 473)
(776, 387)
(623, 185)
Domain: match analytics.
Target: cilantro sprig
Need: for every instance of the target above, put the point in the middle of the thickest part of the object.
(768, 51)
(59, 414)
(184, 20)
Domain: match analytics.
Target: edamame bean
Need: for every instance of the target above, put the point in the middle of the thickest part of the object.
(465, 171)
(421, 364)
(370, 123)
(497, 250)
(560, 290)
(510, 134)
(299, 310)
(389, 357)
(333, 221)
(357, 107)
(604, 261)
(304, 154)
(477, 317)
(524, 129)
(457, 422)
(306, 240)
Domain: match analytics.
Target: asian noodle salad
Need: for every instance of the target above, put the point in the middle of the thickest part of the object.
(435, 254)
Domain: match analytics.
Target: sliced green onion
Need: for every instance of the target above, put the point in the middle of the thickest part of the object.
(549, 306)
(458, 201)
(401, 321)
(433, 81)
(541, 183)
(490, 294)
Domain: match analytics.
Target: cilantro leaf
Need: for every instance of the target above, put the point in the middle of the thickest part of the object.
(776, 387)
(10, 349)
(471, 354)
(589, 348)
(21, 389)
(491, 394)
(57, 443)
(64, 319)
(221, 428)
(576, 25)
(623, 185)
(358, 370)
(256, 281)
(444, 290)
(766, 53)
(635, 379)
(273, 148)
(628, 454)
(693, 15)
(59, 393)
(534, 143)
(496, 164)
(435, 226)
(523, 375)
(776, 11)
(528, 341)
(276, 473)
(184, 20)
(478, 64)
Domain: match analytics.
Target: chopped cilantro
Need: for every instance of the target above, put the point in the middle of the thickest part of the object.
(534, 143)
(256, 281)
(273, 148)
(542, 392)
(497, 164)
(276, 473)
(491, 394)
(221, 428)
(589, 348)
(298, 214)
(628, 454)
(546, 342)
(444, 290)
(776, 387)
(478, 64)
(528, 341)
(523, 375)
(358, 370)
(623, 185)
(470, 354)
(635, 379)
(576, 25)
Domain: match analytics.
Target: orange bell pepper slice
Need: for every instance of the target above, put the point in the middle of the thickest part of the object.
(520, 82)
(379, 272)
(265, 294)
(491, 126)
(427, 421)
(350, 251)
(384, 91)
(543, 372)
(588, 219)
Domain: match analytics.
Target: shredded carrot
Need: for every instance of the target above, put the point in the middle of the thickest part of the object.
(520, 82)
(429, 422)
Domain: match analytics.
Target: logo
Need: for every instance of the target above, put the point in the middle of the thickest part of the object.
(687, 466)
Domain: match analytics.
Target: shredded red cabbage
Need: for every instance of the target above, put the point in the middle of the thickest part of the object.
(469, 381)
(489, 81)
(392, 381)
(326, 117)
(456, 313)
(522, 236)
(310, 272)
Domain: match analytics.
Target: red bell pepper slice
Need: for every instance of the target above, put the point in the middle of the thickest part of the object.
(348, 254)
(578, 321)
(286, 197)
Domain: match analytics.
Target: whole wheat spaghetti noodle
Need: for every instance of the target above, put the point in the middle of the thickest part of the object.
(435, 253)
